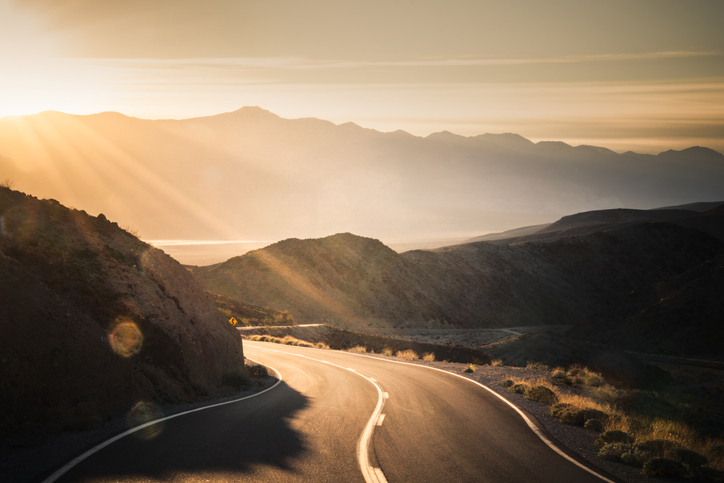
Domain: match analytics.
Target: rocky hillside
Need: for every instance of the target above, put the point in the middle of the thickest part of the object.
(94, 321)
(572, 280)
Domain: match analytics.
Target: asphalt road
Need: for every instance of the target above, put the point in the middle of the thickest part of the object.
(340, 417)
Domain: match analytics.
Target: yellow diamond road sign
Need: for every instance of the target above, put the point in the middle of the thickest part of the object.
(232, 321)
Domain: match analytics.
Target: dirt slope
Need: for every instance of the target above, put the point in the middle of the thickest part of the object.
(93, 321)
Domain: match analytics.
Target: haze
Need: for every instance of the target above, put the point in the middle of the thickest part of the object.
(645, 76)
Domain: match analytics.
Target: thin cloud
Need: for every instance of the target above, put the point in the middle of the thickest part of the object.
(297, 63)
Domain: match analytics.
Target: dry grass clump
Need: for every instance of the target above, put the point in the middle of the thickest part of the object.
(429, 357)
(358, 348)
(408, 354)
(321, 345)
(387, 351)
(496, 362)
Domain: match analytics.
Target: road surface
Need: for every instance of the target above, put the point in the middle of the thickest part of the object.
(341, 417)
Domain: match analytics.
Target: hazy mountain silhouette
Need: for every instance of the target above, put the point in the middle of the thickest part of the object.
(250, 174)
(579, 278)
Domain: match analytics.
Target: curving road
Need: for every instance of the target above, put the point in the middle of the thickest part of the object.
(342, 417)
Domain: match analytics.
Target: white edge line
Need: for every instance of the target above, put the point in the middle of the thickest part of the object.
(369, 473)
(68, 466)
(530, 423)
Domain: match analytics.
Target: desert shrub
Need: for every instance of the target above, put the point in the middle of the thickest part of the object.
(429, 357)
(705, 474)
(469, 369)
(591, 413)
(689, 457)
(537, 366)
(321, 345)
(613, 436)
(519, 388)
(603, 395)
(614, 451)
(594, 425)
(575, 370)
(358, 348)
(656, 447)
(664, 467)
(496, 362)
(569, 414)
(506, 382)
(386, 351)
(541, 394)
(235, 379)
(565, 380)
(408, 354)
(594, 381)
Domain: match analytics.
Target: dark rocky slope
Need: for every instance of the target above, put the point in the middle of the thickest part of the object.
(94, 321)
(568, 280)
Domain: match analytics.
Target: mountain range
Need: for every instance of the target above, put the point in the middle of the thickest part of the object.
(251, 175)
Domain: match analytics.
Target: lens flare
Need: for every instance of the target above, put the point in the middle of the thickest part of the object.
(126, 338)
(147, 261)
(144, 412)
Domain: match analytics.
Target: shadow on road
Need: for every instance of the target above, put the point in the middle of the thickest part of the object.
(228, 439)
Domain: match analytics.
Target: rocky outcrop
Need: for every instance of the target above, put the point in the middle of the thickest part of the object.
(93, 321)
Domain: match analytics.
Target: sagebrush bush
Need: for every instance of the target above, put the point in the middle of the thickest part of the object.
(506, 382)
(358, 348)
(594, 381)
(541, 394)
(496, 362)
(537, 366)
(386, 351)
(429, 357)
(689, 457)
(570, 414)
(614, 451)
(657, 447)
(664, 467)
(519, 388)
(614, 436)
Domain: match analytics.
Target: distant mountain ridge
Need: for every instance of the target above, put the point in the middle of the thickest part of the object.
(250, 174)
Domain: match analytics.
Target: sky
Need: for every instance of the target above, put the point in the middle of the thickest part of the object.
(643, 75)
